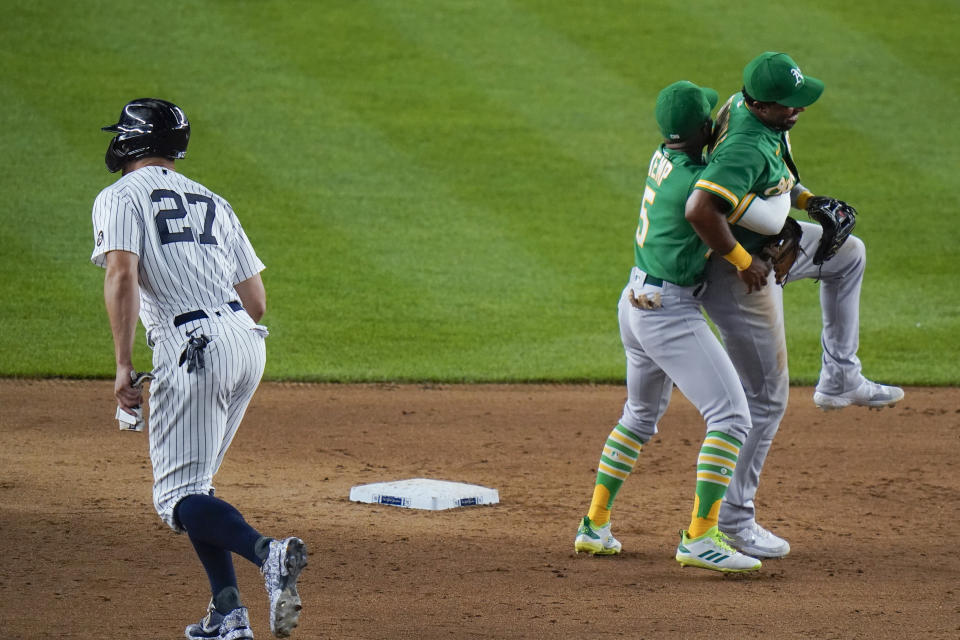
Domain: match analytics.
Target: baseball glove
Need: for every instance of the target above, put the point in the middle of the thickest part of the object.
(782, 249)
(837, 219)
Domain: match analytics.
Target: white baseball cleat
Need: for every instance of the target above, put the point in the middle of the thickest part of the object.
(712, 551)
(868, 394)
(595, 540)
(756, 541)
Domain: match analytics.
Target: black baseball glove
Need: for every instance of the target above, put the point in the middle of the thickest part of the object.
(782, 249)
(837, 219)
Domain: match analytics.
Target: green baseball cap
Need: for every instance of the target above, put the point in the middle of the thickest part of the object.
(682, 108)
(775, 77)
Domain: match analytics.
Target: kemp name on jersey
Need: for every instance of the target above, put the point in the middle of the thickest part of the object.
(666, 245)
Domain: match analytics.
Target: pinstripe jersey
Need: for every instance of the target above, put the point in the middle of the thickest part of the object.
(192, 251)
(191, 246)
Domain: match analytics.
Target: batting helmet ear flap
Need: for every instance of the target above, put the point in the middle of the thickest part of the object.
(115, 158)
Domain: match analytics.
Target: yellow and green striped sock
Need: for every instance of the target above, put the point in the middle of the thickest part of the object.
(715, 465)
(619, 455)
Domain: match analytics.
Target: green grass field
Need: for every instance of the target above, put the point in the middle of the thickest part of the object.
(447, 191)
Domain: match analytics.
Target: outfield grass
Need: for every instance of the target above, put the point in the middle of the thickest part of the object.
(447, 191)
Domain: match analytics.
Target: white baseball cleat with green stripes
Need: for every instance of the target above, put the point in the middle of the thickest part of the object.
(713, 551)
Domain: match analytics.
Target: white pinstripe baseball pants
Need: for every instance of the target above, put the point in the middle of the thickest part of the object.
(194, 416)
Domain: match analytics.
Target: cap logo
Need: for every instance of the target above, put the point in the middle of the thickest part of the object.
(797, 76)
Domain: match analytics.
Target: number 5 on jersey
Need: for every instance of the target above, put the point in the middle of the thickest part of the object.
(644, 226)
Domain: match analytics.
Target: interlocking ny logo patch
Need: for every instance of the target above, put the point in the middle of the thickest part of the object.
(797, 76)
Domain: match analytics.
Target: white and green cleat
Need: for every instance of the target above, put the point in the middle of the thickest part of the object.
(595, 540)
(713, 551)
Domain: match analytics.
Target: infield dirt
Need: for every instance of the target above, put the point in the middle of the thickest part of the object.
(869, 501)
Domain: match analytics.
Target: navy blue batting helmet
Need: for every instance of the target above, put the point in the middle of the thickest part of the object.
(147, 127)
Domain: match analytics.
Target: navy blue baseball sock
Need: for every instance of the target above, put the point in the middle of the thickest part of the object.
(218, 563)
(217, 523)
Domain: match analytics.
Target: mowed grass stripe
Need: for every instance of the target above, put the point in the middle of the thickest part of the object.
(434, 186)
(57, 99)
(558, 88)
(54, 108)
(454, 201)
(50, 312)
(845, 145)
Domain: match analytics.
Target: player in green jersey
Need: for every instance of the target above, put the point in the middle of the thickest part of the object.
(667, 341)
(752, 157)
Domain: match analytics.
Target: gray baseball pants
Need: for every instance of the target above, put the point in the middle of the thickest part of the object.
(752, 329)
(673, 344)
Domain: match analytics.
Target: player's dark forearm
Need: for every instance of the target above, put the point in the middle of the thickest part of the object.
(709, 222)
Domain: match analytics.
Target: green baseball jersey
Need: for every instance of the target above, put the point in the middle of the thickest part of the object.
(666, 245)
(747, 157)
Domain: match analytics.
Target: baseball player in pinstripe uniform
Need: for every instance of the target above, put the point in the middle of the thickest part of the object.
(752, 157)
(176, 255)
(667, 340)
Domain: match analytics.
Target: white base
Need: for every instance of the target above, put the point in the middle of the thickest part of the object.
(422, 493)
